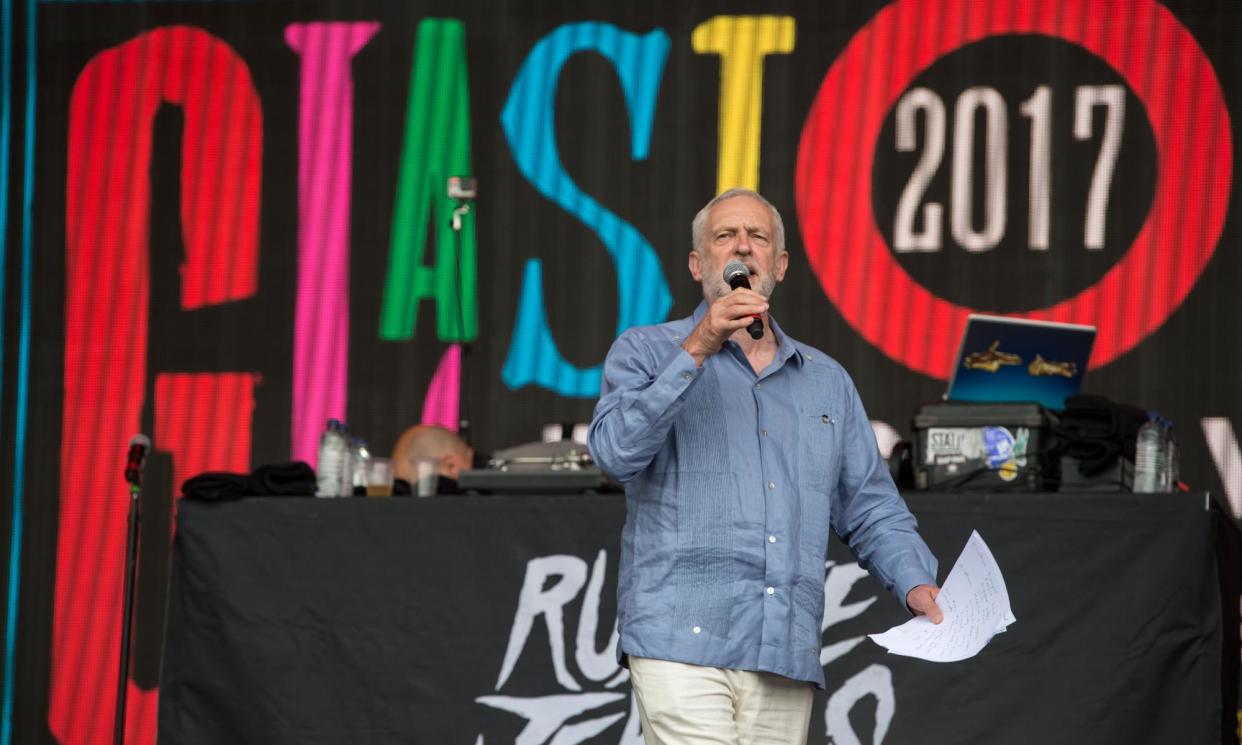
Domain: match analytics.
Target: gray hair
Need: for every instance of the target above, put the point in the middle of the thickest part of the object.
(698, 228)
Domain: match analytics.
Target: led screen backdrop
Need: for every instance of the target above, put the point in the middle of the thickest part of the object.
(225, 222)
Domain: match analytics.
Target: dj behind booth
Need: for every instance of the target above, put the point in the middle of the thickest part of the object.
(488, 614)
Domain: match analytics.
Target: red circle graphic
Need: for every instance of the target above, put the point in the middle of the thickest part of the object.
(1142, 41)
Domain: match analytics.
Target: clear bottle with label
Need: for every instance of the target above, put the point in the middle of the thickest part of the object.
(1173, 459)
(1151, 465)
(333, 454)
(359, 457)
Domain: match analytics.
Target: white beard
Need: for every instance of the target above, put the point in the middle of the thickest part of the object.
(714, 286)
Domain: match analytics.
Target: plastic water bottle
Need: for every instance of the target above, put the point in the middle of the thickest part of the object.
(359, 457)
(1151, 472)
(1173, 458)
(333, 452)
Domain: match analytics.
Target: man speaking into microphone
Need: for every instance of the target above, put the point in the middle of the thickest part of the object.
(739, 447)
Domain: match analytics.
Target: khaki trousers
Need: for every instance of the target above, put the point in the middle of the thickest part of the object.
(684, 704)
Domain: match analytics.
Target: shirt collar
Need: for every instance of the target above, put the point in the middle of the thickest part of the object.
(785, 346)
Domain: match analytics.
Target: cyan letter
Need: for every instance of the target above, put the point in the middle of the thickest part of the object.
(530, 128)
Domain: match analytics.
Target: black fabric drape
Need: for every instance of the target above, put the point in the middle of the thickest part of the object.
(388, 620)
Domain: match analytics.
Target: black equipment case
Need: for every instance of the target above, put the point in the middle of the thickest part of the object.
(961, 446)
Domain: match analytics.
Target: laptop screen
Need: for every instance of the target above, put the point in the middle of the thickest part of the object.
(1012, 359)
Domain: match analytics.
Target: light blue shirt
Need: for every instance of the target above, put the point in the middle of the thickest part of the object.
(731, 481)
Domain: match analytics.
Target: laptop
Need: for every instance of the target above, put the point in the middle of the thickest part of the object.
(1010, 360)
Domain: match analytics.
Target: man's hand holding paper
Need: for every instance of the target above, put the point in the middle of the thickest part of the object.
(921, 601)
(975, 607)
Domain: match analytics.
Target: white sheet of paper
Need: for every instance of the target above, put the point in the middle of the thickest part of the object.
(976, 608)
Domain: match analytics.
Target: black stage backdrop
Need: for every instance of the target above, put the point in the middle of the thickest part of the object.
(225, 222)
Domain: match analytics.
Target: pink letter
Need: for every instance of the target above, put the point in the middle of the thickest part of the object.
(325, 161)
(441, 405)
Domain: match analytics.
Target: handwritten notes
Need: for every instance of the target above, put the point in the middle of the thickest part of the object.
(976, 608)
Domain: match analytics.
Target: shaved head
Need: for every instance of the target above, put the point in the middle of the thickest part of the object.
(425, 442)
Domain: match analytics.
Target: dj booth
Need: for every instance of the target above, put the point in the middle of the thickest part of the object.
(491, 619)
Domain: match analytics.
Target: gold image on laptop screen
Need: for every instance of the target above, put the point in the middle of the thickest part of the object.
(1041, 366)
(991, 360)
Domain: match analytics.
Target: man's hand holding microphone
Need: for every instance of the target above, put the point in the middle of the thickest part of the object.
(743, 308)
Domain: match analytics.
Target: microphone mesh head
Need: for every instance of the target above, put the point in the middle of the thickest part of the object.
(734, 268)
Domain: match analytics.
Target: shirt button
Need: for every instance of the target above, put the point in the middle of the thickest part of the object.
(687, 376)
(763, 432)
(825, 418)
(771, 485)
(810, 356)
(771, 539)
(771, 590)
(758, 385)
(696, 629)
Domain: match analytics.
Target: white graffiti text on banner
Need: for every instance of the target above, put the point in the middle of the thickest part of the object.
(578, 708)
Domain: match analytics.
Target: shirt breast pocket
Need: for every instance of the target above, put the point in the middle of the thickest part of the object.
(819, 453)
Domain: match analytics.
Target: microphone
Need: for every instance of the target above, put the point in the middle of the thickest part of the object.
(139, 445)
(463, 190)
(737, 275)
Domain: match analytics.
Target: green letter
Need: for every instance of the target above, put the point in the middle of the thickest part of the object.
(436, 146)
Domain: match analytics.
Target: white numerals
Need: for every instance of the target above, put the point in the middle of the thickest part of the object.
(1114, 97)
(995, 117)
(904, 237)
(1039, 108)
(995, 153)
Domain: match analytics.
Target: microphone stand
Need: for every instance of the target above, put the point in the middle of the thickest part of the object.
(463, 419)
(127, 613)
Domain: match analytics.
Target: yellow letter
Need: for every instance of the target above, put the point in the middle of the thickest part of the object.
(742, 42)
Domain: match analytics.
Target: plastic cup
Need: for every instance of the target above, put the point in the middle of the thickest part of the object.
(428, 477)
(379, 477)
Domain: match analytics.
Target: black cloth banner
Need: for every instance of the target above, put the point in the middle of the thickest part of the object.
(447, 620)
